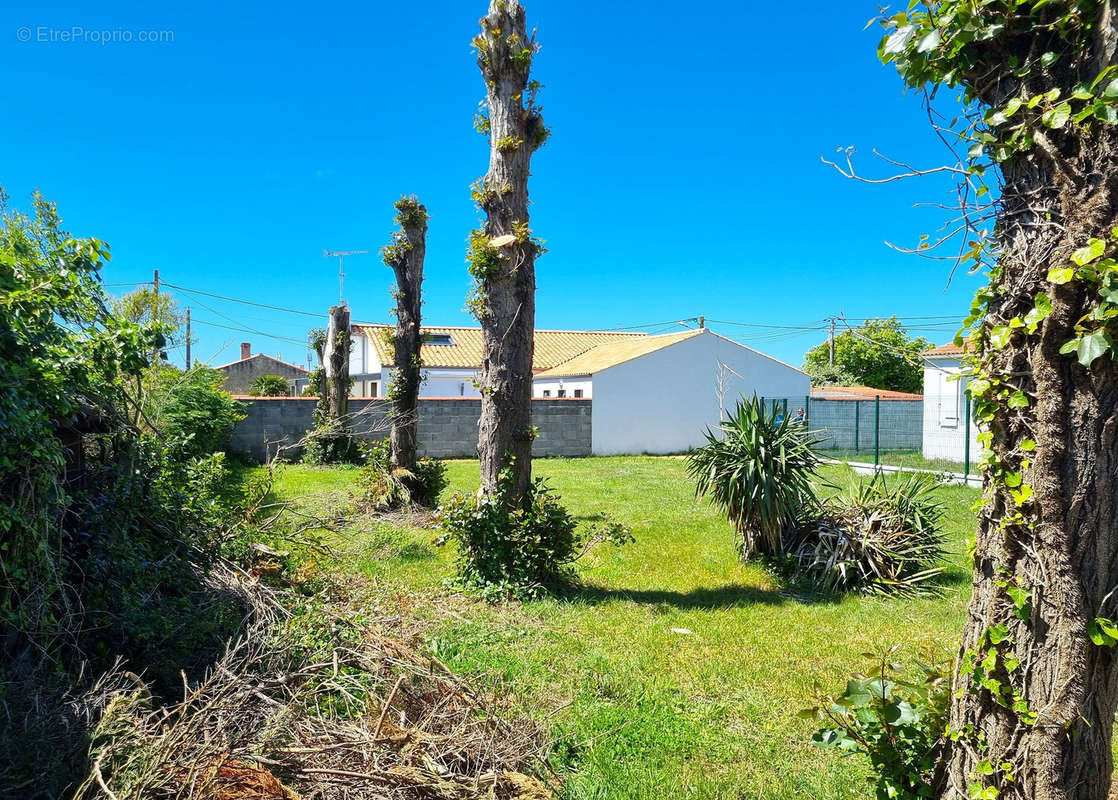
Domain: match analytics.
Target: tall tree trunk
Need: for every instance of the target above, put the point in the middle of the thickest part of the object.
(503, 253)
(337, 369)
(405, 255)
(1046, 565)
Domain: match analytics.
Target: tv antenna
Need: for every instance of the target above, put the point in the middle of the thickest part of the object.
(341, 254)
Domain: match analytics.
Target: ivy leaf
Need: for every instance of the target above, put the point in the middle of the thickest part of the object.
(1085, 255)
(1092, 346)
(1111, 89)
(929, 41)
(899, 39)
(1098, 634)
(1048, 59)
(1028, 445)
(1018, 400)
(999, 336)
(1069, 346)
(998, 634)
(1022, 495)
(1060, 275)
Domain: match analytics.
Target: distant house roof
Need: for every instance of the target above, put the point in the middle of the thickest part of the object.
(460, 347)
(860, 393)
(611, 354)
(266, 358)
(949, 349)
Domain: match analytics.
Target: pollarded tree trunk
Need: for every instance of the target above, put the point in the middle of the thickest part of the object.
(337, 369)
(503, 253)
(405, 256)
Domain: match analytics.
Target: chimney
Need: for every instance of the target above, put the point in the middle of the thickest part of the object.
(702, 322)
(246, 350)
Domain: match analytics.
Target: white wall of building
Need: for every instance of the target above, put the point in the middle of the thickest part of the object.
(568, 387)
(664, 401)
(945, 424)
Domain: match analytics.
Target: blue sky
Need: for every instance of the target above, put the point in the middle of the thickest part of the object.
(682, 178)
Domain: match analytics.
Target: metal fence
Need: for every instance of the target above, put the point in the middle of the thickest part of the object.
(930, 432)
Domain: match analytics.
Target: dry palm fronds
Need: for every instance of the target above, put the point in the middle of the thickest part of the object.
(881, 539)
(362, 717)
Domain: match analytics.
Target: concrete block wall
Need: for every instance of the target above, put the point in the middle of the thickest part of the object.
(447, 426)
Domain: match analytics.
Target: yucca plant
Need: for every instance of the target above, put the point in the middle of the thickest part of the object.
(883, 538)
(758, 468)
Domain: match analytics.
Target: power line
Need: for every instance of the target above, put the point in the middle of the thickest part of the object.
(245, 302)
(249, 330)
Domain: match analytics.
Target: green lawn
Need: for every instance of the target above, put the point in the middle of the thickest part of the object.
(676, 671)
(901, 458)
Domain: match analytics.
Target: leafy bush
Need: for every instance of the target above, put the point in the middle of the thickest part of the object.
(381, 486)
(757, 468)
(197, 411)
(331, 444)
(269, 386)
(881, 538)
(518, 551)
(898, 724)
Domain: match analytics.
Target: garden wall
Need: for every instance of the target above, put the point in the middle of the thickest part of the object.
(447, 426)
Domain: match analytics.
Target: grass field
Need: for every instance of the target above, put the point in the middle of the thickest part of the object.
(676, 671)
(900, 458)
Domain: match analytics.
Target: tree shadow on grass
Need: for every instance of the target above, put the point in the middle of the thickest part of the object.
(730, 595)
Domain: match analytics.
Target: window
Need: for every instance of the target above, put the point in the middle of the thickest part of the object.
(438, 338)
(561, 393)
(374, 387)
(547, 393)
(578, 392)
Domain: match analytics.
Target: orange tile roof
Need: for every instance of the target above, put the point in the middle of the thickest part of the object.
(860, 393)
(552, 347)
(611, 354)
(949, 349)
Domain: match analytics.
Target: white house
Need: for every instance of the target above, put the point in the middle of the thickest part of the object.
(658, 394)
(946, 426)
(452, 357)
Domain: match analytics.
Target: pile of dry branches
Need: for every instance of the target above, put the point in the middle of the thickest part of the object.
(295, 711)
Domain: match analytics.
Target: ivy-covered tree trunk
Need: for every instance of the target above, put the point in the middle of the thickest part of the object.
(405, 256)
(337, 369)
(1037, 686)
(503, 252)
(1037, 692)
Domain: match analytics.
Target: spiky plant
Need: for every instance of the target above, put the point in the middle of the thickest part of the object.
(883, 538)
(758, 468)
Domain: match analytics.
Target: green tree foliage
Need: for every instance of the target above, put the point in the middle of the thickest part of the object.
(197, 411)
(144, 305)
(269, 386)
(105, 531)
(757, 468)
(878, 353)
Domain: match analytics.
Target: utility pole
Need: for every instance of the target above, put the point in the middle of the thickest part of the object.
(831, 340)
(188, 338)
(155, 302)
(341, 254)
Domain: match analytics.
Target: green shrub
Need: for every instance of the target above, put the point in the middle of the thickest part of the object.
(881, 538)
(518, 551)
(381, 486)
(899, 724)
(758, 469)
(197, 411)
(269, 386)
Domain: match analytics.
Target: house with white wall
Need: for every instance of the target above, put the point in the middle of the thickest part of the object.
(946, 426)
(659, 394)
(452, 357)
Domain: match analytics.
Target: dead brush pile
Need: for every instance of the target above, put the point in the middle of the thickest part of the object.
(302, 710)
